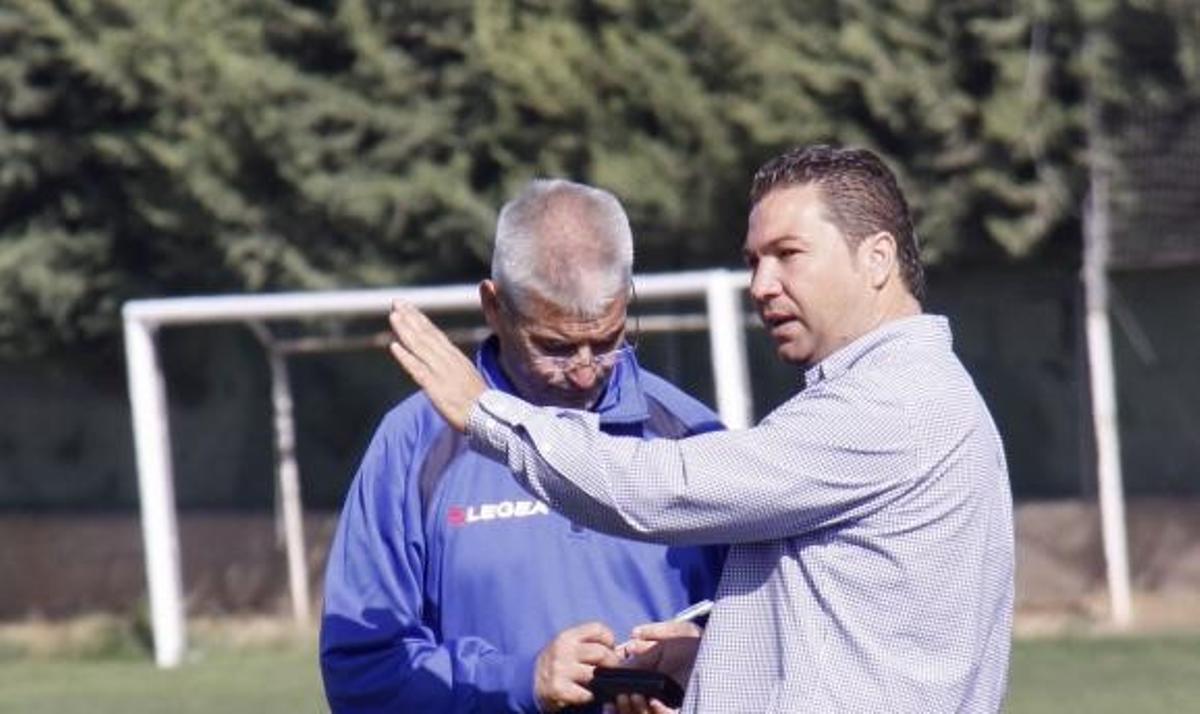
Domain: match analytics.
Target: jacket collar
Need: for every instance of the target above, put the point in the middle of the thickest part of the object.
(623, 400)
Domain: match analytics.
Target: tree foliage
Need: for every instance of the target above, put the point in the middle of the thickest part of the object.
(158, 147)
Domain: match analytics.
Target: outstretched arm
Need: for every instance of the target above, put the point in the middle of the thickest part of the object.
(833, 455)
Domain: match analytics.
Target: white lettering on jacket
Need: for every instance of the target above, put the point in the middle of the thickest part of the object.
(460, 516)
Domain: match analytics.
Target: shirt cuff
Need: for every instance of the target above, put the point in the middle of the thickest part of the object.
(491, 420)
(504, 406)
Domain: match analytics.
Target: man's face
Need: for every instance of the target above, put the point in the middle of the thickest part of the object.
(810, 287)
(531, 343)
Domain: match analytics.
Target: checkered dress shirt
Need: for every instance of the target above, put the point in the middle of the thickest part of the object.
(870, 517)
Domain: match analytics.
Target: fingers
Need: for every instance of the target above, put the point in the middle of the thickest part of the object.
(624, 650)
(596, 655)
(406, 347)
(591, 632)
(637, 704)
(593, 645)
(646, 648)
(571, 694)
(565, 666)
(631, 704)
(419, 337)
(559, 684)
(435, 364)
(637, 648)
(410, 362)
(667, 631)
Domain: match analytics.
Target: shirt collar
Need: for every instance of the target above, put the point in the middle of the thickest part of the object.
(622, 402)
(922, 328)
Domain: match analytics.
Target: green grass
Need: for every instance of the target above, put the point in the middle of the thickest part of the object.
(260, 682)
(1097, 676)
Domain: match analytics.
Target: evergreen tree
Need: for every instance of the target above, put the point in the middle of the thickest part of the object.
(156, 147)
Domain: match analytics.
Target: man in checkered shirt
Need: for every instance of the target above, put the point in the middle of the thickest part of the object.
(870, 516)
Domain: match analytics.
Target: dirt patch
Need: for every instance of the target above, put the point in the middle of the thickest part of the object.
(71, 567)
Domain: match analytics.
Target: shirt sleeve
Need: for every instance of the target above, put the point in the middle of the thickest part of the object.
(377, 654)
(826, 458)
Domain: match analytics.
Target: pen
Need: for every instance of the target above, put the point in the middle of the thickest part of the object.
(692, 612)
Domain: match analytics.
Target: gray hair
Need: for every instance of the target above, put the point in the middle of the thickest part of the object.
(566, 243)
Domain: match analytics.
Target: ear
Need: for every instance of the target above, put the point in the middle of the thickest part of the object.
(878, 252)
(489, 300)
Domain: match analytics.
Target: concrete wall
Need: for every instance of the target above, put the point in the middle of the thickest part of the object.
(56, 566)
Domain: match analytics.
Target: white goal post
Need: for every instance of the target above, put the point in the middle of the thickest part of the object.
(721, 290)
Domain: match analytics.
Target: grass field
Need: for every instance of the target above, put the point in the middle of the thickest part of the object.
(1064, 676)
(260, 682)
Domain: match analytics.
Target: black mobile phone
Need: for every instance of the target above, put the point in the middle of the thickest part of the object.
(608, 682)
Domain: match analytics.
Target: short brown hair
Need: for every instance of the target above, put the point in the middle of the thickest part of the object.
(861, 193)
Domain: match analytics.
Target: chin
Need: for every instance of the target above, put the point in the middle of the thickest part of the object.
(794, 355)
(583, 403)
(569, 400)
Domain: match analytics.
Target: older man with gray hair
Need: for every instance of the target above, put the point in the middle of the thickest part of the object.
(449, 588)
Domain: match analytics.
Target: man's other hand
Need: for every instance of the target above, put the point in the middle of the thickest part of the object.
(666, 647)
(637, 704)
(435, 364)
(564, 667)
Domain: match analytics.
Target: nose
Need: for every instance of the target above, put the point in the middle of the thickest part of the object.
(763, 283)
(584, 376)
(584, 373)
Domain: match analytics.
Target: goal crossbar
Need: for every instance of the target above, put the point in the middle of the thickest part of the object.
(720, 289)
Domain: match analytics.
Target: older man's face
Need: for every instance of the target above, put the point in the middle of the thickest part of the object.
(557, 358)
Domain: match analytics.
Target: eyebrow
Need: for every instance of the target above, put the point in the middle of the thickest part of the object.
(774, 242)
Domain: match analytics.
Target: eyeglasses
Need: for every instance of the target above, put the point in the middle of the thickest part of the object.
(570, 363)
(567, 363)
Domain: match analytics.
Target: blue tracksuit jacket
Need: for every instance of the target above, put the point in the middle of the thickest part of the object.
(445, 579)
